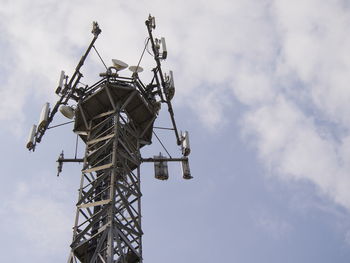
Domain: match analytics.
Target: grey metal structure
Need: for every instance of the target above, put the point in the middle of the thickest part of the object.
(114, 117)
(117, 122)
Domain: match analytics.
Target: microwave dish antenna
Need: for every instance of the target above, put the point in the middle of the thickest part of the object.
(67, 111)
(119, 65)
(135, 69)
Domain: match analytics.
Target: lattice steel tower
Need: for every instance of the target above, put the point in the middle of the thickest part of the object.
(114, 117)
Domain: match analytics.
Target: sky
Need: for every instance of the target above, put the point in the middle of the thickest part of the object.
(262, 88)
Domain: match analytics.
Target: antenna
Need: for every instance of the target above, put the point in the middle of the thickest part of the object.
(135, 69)
(44, 116)
(152, 21)
(31, 138)
(169, 88)
(185, 144)
(158, 44)
(67, 111)
(161, 168)
(119, 65)
(165, 52)
(60, 83)
(186, 170)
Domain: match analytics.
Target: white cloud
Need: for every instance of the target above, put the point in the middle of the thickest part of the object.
(209, 106)
(291, 145)
(315, 46)
(302, 132)
(253, 88)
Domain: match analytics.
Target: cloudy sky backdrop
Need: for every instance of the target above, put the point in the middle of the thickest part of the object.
(261, 85)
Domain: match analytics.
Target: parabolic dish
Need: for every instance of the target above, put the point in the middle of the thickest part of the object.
(67, 111)
(135, 69)
(119, 65)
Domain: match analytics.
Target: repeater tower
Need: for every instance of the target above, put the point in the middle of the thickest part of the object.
(115, 118)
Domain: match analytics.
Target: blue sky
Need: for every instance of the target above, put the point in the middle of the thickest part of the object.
(261, 85)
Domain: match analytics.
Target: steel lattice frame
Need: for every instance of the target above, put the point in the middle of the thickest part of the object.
(108, 218)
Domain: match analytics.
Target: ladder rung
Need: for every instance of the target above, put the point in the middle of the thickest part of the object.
(100, 139)
(98, 168)
(102, 202)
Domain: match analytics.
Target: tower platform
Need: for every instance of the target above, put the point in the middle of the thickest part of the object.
(120, 96)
